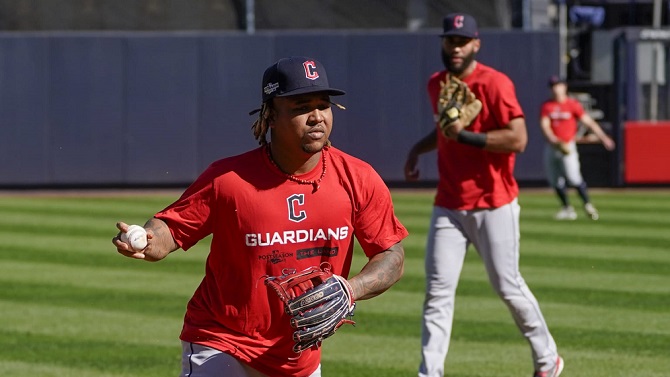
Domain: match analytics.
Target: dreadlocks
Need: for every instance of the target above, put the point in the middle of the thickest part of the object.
(261, 126)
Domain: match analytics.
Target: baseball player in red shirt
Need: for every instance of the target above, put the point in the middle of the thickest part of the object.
(476, 203)
(292, 203)
(558, 119)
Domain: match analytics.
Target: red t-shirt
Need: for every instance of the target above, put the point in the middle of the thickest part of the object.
(563, 116)
(261, 224)
(471, 177)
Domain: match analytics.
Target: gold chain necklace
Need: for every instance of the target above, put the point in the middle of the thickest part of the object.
(315, 183)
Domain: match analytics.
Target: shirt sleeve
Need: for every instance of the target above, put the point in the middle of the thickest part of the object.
(502, 100)
(190, 217)
(375, 225)
(544, 110)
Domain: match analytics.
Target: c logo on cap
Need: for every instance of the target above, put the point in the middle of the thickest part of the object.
(458, 21)
(310, 70)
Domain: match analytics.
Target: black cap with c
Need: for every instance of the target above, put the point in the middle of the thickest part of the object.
(296, 75)
(461, 25)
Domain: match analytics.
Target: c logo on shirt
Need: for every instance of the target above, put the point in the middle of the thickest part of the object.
(294, 214)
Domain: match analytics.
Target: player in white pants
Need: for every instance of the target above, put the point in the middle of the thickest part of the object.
(495, 235)
(558, 119)
(476, 203)
(563, 170)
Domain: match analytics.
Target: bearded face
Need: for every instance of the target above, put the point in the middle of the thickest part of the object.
(458, 53)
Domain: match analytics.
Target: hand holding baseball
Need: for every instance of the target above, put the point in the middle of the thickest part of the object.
(132, 240)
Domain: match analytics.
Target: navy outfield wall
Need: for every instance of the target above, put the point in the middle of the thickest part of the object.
(108, 108)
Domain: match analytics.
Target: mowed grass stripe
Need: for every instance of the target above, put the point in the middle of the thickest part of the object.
(601, 231)
(62, 295)
(634, 198)
(96, 205)
(492, 309)
(416, 210)
(627, 221)
(549, 274)
(106, 258)
(92, 211)
(401, 357)
(622, 201)
(355, 354)
(368, 354)
(557, 242)
(116, 357)
(94, 253)
(537, 246)
(147, 279)
(92, 323)
(597, 264)
(616, 213)
(565, 239)
(654, 302)
(575, 263)
(77, 227)
(626, 340)
(31, 368)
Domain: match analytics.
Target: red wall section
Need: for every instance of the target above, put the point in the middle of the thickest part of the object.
(647, 152)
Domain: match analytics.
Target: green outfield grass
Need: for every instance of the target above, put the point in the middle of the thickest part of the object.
(71, 306)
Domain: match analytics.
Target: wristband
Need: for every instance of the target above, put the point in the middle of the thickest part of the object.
(472, 138)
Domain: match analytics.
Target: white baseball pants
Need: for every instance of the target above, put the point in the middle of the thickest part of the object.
(563, 169)
(495, 235)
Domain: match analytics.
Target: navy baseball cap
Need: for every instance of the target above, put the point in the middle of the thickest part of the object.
(296, 75)
(461, 25)
(553, 80)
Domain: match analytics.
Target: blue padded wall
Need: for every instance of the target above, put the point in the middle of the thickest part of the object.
(133, 108)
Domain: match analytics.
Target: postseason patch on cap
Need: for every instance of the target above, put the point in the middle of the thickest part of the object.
(270, 88)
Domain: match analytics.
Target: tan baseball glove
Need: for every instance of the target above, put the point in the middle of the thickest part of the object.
(562, 147)
(456, 101)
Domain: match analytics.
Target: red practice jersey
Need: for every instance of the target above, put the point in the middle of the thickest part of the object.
(471, 177)
(261, 224)
(563, 116)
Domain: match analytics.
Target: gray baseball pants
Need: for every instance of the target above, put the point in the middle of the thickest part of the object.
(495, 235)
(202, 361)
(563, 169)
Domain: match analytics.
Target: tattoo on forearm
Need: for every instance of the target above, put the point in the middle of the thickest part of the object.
(381, 272)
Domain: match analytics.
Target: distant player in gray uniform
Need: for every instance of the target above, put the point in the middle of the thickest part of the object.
(476, 203)
(558, 119)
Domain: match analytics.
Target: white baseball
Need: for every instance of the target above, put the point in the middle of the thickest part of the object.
(136, 237)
